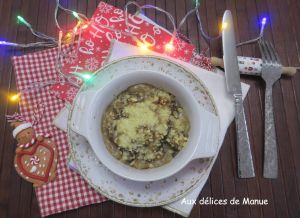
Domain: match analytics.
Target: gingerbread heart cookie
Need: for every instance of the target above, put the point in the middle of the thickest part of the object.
(36, 154)
(37, 164)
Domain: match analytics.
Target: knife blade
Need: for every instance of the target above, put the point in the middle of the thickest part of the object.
(233, 83)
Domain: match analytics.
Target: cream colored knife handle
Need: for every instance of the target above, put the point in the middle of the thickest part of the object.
(288, 71)
(245, 160)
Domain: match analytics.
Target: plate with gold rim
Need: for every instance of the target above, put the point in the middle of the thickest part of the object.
(133, 193)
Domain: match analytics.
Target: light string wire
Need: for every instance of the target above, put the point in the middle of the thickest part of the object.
(176, 30)
(140, 8)
(52, 42)
(261, 34)
(49, 41)
(35, 32)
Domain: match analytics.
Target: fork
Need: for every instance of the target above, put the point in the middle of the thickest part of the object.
(271, 72)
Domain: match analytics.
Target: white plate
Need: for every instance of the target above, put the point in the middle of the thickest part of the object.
(132, 192)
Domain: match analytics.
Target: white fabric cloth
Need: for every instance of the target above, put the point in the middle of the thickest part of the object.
(224, 103)
(215, 82)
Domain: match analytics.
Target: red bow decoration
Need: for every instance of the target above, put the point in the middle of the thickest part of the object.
(15, 118)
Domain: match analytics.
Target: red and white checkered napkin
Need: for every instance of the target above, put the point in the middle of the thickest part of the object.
(69, 190)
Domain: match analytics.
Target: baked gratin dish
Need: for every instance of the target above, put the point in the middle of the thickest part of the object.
(145, 127)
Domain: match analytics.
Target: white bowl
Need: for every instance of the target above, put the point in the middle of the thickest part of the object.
(93, 103)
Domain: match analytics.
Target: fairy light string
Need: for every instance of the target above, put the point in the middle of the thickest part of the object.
(83, 20)
(261, 34)
(72, 39)
(147, 6)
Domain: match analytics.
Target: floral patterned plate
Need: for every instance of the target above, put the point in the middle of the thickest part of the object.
(114, 187)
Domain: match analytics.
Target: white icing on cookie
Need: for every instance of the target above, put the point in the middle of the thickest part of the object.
(33, 169)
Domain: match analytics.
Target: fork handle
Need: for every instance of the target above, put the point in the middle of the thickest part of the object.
(270, 153)
(245, 162)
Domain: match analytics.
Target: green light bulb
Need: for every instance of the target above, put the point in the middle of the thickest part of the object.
(23, 21)
(86, 76)
(75, 14)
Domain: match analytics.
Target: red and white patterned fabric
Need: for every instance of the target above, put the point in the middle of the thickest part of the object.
(69, 190)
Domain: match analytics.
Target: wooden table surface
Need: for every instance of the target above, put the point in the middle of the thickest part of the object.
(17, 197)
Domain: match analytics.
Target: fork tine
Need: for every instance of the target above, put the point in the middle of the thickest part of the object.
(273, 51)
(261, 50)
(266, 50)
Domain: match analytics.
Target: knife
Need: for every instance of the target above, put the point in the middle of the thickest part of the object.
(232, 76)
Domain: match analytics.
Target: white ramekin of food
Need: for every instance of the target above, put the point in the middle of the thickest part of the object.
(92, 104)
